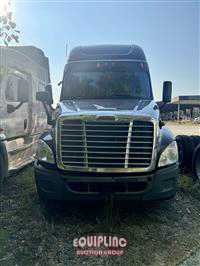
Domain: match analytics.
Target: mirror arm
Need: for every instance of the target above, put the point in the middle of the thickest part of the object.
(49, 118)
(61, 82)
(53, 109)
(11, 108)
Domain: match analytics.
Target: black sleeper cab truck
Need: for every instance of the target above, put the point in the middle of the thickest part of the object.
(107, 137)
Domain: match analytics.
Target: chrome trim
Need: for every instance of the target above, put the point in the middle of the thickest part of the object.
(93, 118)
(79, 146)
(84, 145)
(128, 144)
(111, 158)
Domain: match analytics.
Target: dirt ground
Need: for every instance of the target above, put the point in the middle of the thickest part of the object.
(184, 129)
(158, 233)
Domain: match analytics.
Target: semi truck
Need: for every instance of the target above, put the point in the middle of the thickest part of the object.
(107, 137)
(24, 70)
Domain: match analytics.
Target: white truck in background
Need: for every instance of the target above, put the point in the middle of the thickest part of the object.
(24, 70)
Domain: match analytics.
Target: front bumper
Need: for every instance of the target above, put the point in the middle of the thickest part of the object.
(59, 185)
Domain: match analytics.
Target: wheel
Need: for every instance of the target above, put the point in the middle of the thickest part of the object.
(186, 146)
(181, 150)
(196, 140)
(2, 172)
(189, 149)
(196, 163)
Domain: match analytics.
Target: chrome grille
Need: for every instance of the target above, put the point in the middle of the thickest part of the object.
(105, 144)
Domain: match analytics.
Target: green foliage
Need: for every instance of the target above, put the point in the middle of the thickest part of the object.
(8, 31)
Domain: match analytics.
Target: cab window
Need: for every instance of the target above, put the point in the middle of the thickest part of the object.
(11, 88)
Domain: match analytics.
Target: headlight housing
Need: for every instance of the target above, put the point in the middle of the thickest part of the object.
(169, 155)
(44, 152)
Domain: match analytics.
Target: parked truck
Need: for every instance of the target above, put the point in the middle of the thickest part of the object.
(107, 137)
(24, 70)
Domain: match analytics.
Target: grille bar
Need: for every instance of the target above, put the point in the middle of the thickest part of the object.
(85, 152)
(117, 136)
(108, 158)
(100, 152)
(103, 163)
(103, 147)
(107, 141)
(113, 125)
(103, 144)
(89, 130)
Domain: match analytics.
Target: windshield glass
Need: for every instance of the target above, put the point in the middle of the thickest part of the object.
(106, 80)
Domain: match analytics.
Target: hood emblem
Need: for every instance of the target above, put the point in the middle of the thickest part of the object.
(109, 117)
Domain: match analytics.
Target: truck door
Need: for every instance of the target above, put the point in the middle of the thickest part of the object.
(17, 121)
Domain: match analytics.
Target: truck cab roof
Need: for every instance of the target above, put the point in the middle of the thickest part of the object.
(34, 53)
(107, 52)
(27, 57)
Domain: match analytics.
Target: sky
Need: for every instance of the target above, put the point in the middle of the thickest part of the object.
(168, 32)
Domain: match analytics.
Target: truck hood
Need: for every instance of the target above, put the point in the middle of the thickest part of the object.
(131, 107)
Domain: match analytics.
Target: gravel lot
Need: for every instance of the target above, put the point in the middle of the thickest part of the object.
(184, 129)
(158, 233)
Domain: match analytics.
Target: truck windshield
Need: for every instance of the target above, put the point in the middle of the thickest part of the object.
(107, 80)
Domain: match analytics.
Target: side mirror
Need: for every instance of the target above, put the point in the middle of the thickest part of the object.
(22, 91)
(167, 91)
(48, 88)
(44, 96)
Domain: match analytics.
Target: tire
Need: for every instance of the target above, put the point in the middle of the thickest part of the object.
(189, 149)
(196, 163)
(186, 147)
(2, 172)
(181, 150)
(196, 140)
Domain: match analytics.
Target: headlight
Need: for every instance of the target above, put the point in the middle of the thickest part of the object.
(169, 155)
(44, 152)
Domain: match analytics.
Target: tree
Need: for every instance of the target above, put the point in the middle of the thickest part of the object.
(8, 31)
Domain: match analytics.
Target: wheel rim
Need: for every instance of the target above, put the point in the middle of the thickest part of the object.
(197, 165)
